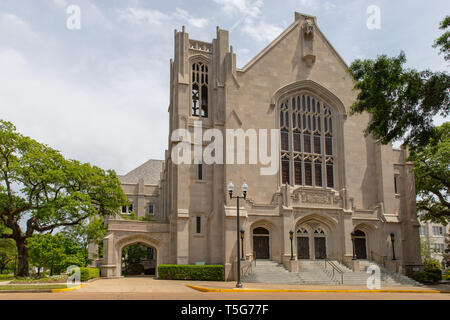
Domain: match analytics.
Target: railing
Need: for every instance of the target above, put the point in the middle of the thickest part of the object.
(335, 268)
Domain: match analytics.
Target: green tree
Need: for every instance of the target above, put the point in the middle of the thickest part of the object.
(444, 41)
(46, 251)
(402, 104)
(446, 255)
(8, 254)
(425, 249)
(431, 169)
(44, 191)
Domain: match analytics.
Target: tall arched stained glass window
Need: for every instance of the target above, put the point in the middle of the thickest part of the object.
(199, 90)
(307, 153)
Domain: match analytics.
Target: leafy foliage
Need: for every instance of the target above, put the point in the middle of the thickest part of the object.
(49, 191)
(402, 102)
(432, 173)
(444, 41)
(446, 255)
(55, 252)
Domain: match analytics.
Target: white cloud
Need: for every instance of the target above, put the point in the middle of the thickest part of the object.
(61, 3)
(241, 7)
(261, 31)
(118, 126)
(156, 17)
(250, 21)
(192, 21)
(316, 5)
(14, 26)
(149, 16)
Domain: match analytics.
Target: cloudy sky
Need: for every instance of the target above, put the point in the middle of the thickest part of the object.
(100, 94)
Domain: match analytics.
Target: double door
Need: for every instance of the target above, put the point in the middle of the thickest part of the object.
(319, 248)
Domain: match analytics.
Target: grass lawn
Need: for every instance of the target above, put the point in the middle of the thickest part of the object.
(56, 279)
(20, 287)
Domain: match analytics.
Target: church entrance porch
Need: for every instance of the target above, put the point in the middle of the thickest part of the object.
(138, 259)
(311, 243)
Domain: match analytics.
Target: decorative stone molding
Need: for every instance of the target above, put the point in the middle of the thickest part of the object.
(313, 196)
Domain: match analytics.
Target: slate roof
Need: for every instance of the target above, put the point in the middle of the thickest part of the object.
(150, 171)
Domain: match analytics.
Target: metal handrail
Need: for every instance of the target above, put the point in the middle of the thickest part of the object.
(335, 267)
(254, 257)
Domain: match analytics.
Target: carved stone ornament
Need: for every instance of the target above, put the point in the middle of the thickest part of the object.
(320, 198)
(308, 28)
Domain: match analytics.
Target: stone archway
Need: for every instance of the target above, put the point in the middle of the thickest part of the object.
(315, 235)
(137, 239)
(138, 259)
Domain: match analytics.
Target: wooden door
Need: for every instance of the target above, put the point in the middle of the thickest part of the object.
(303, 247)
(320, 248)
(261, 247)
(360, 248)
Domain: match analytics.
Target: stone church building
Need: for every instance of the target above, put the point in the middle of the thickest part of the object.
(341, 193)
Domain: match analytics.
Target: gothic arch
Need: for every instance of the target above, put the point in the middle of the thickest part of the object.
(329, 223)
(313, 88)
(133, 239)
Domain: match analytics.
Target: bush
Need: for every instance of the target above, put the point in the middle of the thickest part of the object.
(191, 272)
(89, 273)
(6, 277)
(431, 264)
(429, 276)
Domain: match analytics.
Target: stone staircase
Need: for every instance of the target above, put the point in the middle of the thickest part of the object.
(267, 271)
(317, 272)
(313, 272)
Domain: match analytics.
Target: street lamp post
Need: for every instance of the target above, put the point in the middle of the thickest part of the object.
(242, 246)
(244, 192)
(393, 247)
(291, 237)
(353, 242)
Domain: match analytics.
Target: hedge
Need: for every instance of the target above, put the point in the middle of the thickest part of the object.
(89, 273)
(428, 276)
(6, 277)
(191, 272)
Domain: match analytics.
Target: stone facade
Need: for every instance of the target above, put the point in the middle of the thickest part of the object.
(434, 235)
(352, 189)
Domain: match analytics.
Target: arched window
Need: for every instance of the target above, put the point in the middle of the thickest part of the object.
(199, 90)
(306, 130)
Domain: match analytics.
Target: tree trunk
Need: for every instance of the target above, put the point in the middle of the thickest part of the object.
(23, 266)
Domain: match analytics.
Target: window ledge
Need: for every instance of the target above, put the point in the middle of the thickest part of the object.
(199, 235)
(201, 181)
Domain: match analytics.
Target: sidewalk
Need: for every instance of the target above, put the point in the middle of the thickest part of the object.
(143, 285)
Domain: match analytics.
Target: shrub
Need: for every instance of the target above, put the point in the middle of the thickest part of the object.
(6, 277)
(191, 272)
(431, 264)
(429, 276)
(89, 273)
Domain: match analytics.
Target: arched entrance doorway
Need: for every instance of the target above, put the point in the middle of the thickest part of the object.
(261, 243)
(311, 242)
(138, 260)
(360, 245)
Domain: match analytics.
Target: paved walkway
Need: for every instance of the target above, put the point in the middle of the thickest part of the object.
(154, 289)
